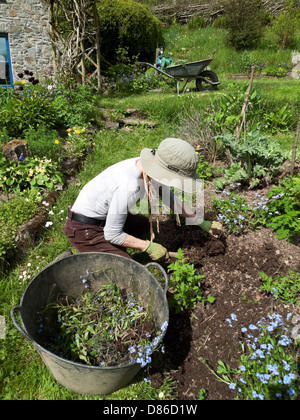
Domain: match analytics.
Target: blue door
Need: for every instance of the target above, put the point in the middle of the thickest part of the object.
(6, 78)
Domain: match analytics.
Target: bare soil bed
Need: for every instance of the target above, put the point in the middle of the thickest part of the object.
(231, 266)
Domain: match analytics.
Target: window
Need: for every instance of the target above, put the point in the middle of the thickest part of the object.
(6, 78)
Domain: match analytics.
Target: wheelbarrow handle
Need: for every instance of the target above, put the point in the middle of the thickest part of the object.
(143, 63)
(163, 273)
(16, 323)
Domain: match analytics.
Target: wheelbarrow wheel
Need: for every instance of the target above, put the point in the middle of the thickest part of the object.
(202, 85)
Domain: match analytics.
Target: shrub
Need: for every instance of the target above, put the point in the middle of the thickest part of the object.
(126, 23)
(285, 26)
(29, 109)
(74, 106)
(244, 20)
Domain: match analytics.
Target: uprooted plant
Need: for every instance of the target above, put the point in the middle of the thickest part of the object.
(109, 327)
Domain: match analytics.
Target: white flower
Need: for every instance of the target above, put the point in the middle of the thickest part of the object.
(48, 224)
(161, 395)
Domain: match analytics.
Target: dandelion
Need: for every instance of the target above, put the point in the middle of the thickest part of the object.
(56, 141)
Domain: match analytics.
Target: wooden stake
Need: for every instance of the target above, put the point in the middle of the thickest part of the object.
(245, 106)
(98, 43)
(295, 148)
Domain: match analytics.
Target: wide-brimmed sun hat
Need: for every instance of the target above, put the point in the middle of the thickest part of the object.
(173, 163)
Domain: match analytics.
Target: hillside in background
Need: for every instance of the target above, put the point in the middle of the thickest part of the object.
(181, 11)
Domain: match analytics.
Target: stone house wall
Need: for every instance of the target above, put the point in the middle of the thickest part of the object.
(27, 24)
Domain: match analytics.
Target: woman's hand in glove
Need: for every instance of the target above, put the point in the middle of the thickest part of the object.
(156, 251)
(212, 227)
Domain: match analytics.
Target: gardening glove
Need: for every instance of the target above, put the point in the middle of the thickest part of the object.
(156, 251)
(212, 227)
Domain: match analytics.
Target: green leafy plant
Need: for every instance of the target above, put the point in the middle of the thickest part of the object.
(225, 112)
(285, 288)
(244, 21)
(204, 170)
(239, 215)
(268, 367)
(275, 71)
(78, 142)
(129, 76)
(284, 208)
(44, 142)
(284, 26)
(29, 173)
(73, 105)
(278, 121)
(4, 136)
(279, 210)
(29, 108)
(13, 214)
(257, 156)
(185, 283)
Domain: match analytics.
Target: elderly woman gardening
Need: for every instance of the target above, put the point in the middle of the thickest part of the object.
(100, 219)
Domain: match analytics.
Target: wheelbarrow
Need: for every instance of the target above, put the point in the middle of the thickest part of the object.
(205, 79)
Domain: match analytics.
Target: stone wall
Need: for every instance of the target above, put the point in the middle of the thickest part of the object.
(27, 24)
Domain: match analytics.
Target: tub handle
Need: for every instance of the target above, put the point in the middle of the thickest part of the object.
(16, 323)
(163, 273)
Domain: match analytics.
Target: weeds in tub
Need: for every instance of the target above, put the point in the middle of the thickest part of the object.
(109, 327)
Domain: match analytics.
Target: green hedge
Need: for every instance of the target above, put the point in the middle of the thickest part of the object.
(128, 24)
